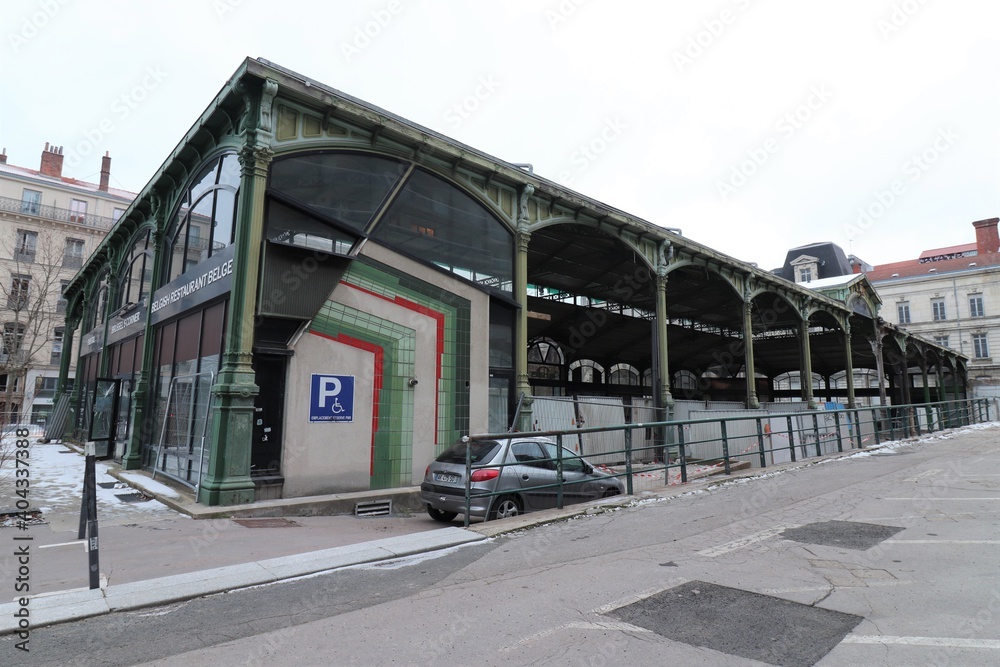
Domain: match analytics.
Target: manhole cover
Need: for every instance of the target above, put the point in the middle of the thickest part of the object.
(736, 622)
(131, 497)
(847, 534)
(266, 523)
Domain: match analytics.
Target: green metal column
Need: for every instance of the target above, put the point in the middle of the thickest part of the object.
(926, 380)
(806, 374)
(849, 365)
(663, 357)
(523, 238)
(72, 323)
(751, 374)
(143, 426)
(228, 477)
(74, 401)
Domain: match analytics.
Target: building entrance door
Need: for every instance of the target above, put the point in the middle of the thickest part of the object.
(265, 455)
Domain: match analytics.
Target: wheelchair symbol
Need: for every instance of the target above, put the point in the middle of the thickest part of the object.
(336, 408)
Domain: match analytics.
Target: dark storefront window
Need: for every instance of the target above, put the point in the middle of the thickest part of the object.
(187, 361)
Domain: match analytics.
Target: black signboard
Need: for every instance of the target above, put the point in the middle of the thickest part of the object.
(206, 281)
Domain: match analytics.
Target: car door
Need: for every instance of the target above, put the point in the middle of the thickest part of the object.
(578, 479)
(535, 474)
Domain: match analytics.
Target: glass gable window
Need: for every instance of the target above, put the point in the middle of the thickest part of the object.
(346, 188)
(205, 221)
(325, 201)
(436, 222)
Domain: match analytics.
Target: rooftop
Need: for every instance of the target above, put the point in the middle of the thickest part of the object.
(66, 181)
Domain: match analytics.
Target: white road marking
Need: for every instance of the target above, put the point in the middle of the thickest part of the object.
(926, 473)
(641, 595)
(754, 538)
(578, 625)
(948, 642)
(941, 542)
(66, 544)
(934, 499)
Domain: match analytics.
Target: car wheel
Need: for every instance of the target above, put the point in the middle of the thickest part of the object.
(441, 515)
(505, 506)
(609, 493)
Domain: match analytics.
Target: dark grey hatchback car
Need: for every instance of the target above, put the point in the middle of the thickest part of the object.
(520, 471)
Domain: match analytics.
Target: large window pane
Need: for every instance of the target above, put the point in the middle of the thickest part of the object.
(290, 227)
(205, 219)
(436, 222)
(345, 187)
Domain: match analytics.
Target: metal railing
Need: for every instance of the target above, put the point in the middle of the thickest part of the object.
(55, 213)
(746, 441)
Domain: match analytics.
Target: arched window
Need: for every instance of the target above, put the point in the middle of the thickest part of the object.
(97, 304)
(206, 218)
(545, 360)
(137, 272)
(586, 370)
(624, 374)
(685, 381)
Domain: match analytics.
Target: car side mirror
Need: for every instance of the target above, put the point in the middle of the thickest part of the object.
(588, 469)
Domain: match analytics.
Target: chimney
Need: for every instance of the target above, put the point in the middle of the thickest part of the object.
(987, 239)
(105, 172)
(3, 157)
(52, 161)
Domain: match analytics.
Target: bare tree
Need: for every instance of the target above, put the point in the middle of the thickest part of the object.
(29, 311)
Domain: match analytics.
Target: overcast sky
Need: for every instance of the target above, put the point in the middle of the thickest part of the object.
(753, 126)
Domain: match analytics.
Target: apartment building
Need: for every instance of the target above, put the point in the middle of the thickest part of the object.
(49, 225)
(951, 295)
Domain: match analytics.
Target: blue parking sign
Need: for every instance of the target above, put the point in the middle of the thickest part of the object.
(332, 398)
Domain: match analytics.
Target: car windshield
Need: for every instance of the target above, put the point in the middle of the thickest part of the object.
(480, 450)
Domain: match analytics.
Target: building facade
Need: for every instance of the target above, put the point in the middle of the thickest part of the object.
(952, 295)
(316, 296)
(49, 224)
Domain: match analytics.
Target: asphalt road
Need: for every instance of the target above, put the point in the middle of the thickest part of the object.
(881, 559)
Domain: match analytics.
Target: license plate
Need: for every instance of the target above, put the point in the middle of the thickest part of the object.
(446, 477)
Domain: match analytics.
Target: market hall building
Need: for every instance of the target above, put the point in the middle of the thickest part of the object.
(313, 296)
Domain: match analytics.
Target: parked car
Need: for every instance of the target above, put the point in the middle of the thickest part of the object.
(521, 472)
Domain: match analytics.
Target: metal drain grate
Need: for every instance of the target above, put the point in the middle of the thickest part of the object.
(278, 522)
(736, 622)
(107, 485)
(373, 508)
(131, 497)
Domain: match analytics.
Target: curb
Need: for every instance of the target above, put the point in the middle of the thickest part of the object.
(76, 605)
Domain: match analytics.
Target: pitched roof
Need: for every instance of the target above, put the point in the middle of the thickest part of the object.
(65, 181)
(950, 250)
(914, 267)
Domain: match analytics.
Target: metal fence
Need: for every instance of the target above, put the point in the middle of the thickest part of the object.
(736, 439)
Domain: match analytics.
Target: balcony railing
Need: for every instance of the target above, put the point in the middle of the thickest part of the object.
(55, 213)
